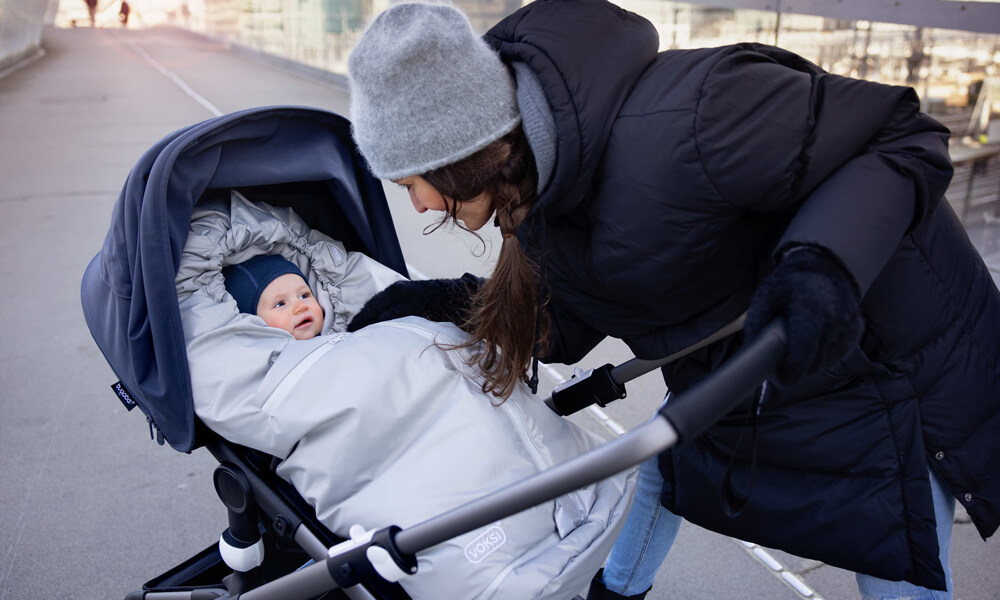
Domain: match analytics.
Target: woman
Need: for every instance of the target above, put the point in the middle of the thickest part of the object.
(655, 197)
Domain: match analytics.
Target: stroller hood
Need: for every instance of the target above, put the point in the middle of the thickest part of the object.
(128, 290)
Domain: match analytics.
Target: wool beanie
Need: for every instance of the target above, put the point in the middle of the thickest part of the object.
(426, 91)
(246, 281)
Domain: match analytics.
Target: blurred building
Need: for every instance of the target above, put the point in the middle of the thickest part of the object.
(955, 72)
(21, 30)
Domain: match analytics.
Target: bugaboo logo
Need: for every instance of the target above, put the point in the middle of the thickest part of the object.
(123, 395)
(485, 544)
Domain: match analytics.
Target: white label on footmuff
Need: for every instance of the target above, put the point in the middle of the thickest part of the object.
(485, 544)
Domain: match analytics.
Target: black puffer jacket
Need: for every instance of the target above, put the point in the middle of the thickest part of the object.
(678, 175)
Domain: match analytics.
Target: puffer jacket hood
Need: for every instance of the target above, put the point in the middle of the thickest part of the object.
(616, 46)
(229, 233)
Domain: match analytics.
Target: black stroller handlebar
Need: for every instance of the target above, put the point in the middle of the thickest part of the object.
(694, 411)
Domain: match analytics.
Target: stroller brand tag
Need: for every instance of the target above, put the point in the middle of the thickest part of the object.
(485, 544)
(123, 395)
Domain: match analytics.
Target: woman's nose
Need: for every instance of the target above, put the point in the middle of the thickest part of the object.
(417, 204)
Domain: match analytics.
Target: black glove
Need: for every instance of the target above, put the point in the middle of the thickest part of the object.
(818, 302)
(448, 300)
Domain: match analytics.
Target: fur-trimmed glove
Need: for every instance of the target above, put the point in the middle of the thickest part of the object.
(818, 302)
(445, 300)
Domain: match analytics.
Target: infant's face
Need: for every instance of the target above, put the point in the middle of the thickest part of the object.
(288, 303)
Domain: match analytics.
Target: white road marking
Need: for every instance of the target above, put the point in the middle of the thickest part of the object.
(173, 77)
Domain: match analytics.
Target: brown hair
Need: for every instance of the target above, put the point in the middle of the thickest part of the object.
(506, 312)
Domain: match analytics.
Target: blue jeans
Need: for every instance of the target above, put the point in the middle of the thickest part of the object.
(650, 529)
(646, 537)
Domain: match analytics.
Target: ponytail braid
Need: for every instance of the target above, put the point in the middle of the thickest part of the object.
(506, 312)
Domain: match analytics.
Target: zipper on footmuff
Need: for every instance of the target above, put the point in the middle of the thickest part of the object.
(570, 504)
(128, 401)
(152, 426)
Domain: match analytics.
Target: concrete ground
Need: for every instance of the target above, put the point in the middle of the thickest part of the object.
(91, 507)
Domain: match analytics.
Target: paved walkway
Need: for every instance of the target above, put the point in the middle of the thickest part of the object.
(91, 508)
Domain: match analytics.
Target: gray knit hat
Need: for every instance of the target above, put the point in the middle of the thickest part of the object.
(426, 91)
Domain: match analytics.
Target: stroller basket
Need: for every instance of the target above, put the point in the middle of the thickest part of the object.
(131, 307)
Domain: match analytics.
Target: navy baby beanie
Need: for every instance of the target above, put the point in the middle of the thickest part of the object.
(247, 280)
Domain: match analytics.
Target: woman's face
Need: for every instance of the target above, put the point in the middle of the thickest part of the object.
(473, 213)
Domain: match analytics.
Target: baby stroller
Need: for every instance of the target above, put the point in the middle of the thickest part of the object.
(303, 159)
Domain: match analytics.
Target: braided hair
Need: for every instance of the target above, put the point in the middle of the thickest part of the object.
(506, 312)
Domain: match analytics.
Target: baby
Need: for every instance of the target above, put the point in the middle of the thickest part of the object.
(275, 290)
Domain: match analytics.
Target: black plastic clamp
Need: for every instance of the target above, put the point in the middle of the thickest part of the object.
(595, 386)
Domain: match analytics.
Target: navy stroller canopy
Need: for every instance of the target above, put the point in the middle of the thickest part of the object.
(287, 156)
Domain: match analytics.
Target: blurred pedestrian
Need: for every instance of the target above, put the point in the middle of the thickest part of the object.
(91, 11)
(123, 13)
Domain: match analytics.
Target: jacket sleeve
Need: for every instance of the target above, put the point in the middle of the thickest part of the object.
(856, 161)
(570, 338)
